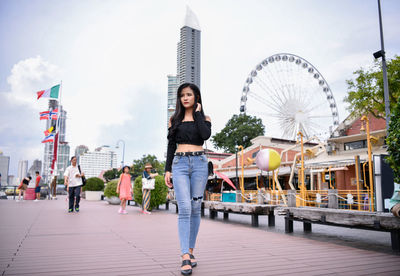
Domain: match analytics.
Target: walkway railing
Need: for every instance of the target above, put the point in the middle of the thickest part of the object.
(339, 199)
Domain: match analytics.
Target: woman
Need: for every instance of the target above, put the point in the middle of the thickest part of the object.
(146, 192)
(188, 129)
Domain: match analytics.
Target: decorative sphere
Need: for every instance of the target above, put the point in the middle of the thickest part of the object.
(268, 160)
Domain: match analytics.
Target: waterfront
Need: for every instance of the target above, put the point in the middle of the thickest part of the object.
(40, 238)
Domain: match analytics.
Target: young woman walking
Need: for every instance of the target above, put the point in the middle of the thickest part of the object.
(186, 159)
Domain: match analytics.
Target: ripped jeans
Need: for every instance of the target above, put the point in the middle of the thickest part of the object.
(189, 176)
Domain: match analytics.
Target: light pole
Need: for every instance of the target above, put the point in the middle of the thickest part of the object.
(382, 54)
(123, 150)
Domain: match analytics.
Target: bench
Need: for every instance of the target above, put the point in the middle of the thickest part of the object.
(254, 210)
(342, 218)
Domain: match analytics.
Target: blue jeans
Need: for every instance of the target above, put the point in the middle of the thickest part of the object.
(189, 176)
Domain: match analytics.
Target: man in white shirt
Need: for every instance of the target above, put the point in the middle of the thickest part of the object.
(73, 181)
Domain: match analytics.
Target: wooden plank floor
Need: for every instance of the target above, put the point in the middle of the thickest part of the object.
(40, 238)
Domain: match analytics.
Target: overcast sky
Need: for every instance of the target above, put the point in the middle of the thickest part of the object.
(113, 58)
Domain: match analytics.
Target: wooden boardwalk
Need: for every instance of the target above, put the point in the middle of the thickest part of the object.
(40, 238)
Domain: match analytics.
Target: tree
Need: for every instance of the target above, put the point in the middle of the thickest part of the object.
(138, 164)
(239, 130)
(111, 174)
(393, 142)
(365, 93)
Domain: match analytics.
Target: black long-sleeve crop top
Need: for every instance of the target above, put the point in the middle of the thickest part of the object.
(189, 132)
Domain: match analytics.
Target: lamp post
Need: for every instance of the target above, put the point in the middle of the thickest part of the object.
(123, 150)
(382, 54)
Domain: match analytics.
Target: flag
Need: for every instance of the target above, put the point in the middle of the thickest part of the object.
(48, 138)
(54, 114)
(49, 93)
(54, 153)
(49, 131)
(44, 115)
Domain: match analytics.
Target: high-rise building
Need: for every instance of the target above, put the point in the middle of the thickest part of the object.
(63, 147)
(22, 169)
(94, 162)
(79, 150)
(36, 167)
(4, 167)
(63, 159)
(188, 67)
(172, 87)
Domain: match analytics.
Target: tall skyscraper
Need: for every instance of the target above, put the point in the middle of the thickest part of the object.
(172, 87)
(94, 162)
(4, 167)
(79, 150)
(188, 67)
(36, 166)
(22, 169)
(63, 147)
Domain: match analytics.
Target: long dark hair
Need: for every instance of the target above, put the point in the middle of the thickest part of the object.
(179, 114)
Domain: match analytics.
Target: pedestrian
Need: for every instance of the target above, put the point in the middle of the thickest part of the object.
(73, 181)
(37, 185)
(53, 186)
(186, 159)
(124, 188)
(23, 187)
(147, 174)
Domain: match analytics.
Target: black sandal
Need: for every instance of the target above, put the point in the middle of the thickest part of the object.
(186, 271)
(192, 258)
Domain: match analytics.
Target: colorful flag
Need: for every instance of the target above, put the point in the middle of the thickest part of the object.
(48, 138)
(49, 131)
(44, 115)
(49, 93)
(54, 114)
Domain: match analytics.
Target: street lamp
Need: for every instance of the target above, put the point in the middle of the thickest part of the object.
(123, 150)
(381, 54)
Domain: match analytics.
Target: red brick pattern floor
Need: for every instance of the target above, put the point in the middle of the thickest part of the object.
(40, 238)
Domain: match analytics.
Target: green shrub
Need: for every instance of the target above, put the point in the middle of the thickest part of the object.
(94, 184)
(158, 195)
(111, 188)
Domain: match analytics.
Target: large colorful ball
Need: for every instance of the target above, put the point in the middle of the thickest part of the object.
(268, 160)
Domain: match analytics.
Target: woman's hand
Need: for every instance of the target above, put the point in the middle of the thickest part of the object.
(198, 108)
(168, 179)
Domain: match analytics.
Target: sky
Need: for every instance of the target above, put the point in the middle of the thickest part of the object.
(113, 58)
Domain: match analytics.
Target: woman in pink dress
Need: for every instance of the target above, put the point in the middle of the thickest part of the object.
(124, 189)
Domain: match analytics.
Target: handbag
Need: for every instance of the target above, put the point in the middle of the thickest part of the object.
(148, 184)
(83, 178)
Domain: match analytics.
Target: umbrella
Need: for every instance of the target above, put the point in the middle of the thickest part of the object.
(226, 179)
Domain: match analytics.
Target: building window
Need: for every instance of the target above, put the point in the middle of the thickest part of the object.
(355, 145)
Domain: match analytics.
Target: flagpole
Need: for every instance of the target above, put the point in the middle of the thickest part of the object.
(58, 125)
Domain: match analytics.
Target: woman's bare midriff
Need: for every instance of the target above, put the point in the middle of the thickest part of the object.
(188, 148)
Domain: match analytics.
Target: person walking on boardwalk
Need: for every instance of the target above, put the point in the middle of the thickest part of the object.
(73, 181)
(147, 190)
(23, 187)
(37, 185)
(186, 159)
(124, 188)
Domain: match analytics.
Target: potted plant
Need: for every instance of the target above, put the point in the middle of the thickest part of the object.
(94, 188)
(110, 192)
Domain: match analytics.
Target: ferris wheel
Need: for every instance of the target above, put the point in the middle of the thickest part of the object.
(290, 95)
